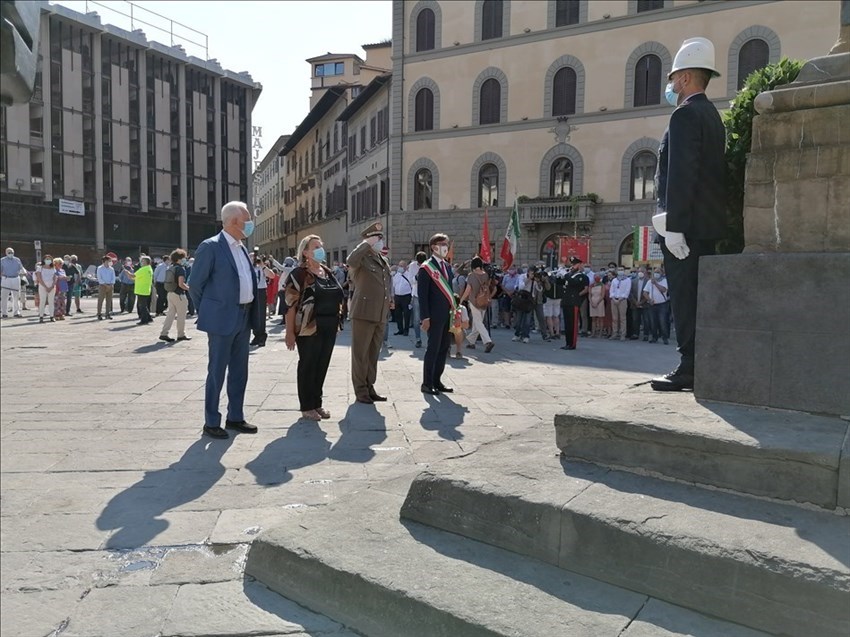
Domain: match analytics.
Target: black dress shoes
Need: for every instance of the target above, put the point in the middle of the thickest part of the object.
(376, 397)
(241, 426)
(366, 400)
(443, 389)
(567, 347)
(432, 391)
(215, 432)
(674, 381)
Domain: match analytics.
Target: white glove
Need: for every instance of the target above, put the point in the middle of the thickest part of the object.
(677, 245)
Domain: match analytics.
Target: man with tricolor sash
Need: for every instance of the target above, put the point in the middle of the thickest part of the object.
(438, 311)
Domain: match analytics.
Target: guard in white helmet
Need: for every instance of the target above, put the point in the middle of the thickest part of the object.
(691, 194)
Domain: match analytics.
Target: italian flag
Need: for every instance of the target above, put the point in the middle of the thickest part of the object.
(511, 243)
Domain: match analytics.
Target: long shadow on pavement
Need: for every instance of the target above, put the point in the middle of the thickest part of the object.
(136, 512)
(361, 427)
(444, 416)
(303, 445)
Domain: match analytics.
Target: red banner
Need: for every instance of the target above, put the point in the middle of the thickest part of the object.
(574, 247)
(485, 241)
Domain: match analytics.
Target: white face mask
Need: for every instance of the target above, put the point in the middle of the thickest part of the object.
(441, 251)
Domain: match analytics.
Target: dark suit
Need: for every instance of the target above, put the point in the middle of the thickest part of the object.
(692, 190)
(434, 305)
(214, 289)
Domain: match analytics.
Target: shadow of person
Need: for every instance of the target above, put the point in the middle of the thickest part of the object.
(444, 416)
(303, 445)
(136, 512)
(361, 428)
(153, 347)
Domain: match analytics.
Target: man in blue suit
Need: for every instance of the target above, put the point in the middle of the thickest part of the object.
(223, 287)
(691, 186)
(437, 308)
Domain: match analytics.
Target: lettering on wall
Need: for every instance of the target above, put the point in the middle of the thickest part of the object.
(256, 145)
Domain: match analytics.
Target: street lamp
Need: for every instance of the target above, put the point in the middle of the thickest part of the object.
(123, 198)
(166, 204)
(203, 209)
(74, 192)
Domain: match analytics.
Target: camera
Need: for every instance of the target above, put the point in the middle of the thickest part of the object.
(493, 271)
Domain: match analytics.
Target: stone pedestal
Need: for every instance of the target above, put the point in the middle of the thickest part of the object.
(773, 324)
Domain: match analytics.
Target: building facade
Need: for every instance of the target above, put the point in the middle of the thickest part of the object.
(318, 153)
(128, 145)
(269, 185)
(557, 104)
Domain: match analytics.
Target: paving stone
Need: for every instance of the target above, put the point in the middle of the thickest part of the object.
(39, 612)
(129, 611)
(201, 565)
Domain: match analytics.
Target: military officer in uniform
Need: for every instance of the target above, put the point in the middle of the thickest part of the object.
(691, 194)
(369, 275)
(575, 290)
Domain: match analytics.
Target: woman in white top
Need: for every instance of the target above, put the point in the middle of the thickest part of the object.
(46, 278)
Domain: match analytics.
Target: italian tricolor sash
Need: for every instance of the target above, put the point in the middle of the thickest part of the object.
(442, 284)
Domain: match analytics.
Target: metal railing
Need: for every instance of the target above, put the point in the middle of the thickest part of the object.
(555, 211)
(174, 38)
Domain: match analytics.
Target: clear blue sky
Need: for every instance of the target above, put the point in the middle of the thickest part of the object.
(270, 40)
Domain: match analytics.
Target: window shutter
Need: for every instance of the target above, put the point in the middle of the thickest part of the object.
(564, 92)
(424, 106)
(647, 81)
(490, 102)
(754, 55)
(566, 12)
(491, 19)
(425, 23)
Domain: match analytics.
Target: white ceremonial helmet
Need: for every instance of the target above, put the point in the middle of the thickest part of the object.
(695, 53)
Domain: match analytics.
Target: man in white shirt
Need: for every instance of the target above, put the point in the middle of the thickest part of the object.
(620, 289)
(403, 295)
(412, 271)
(655, 295)
(10, 269)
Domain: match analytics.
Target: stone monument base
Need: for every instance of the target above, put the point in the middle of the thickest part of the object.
(773, 329)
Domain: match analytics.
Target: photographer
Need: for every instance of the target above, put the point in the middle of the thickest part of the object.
(540, 286)
(552, 304)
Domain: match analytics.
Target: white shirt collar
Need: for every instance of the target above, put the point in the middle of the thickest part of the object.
(231, 240)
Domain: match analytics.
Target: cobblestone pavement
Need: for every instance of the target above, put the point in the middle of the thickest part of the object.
(119, 519)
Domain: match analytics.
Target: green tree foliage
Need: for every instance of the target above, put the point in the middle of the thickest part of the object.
(738, 121)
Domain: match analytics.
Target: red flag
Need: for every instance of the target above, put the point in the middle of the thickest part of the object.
(484, 253)
(574, 247)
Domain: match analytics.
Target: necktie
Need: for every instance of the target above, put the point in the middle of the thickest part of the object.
(443, 268)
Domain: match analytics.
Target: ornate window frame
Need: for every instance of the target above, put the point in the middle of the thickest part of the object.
(571, 153)
(438, 24)
(753, 32)
(422, 82)
(549, 81)
(551, 14)
(415, 167)
(488, 158)
(506, 20)
(666, 64)
(640, 145)
(486, 74)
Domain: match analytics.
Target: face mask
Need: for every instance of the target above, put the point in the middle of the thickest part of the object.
(441, 251)
(621, 274)
(9, 254)
(640, 275)
(248, 230)
(319, 254)
(378, 245)
(48, 262)
(657, 275)
(670, 95)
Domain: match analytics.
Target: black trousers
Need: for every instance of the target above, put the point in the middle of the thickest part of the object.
(143, 307)
(127, 297)
(403, 312)
(683, 279)
(439, 342)
(261, 335)
(314, 358)
(161, 298)
(571, 323)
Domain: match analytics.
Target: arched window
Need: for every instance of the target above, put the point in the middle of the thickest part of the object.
(564, 92)
(643, 176)
(425, 22)
(754, 55)
(648, 81)
(488, 186)
(490, 102)
(424, 110)
(423, 184)
(561, 178)
(491, 19)
(566, 12)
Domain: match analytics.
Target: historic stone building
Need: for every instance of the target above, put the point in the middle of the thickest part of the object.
(560, 102)
(269, 186)
(128, 145)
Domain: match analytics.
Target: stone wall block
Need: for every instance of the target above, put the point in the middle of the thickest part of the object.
(838, 213)
(826, 126)
(833, 160)
(771, 132)
(760, 166)
(802, 215)
(759, 194)
(759, 229)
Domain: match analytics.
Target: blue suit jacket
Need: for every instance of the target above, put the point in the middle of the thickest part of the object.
(214, 288)
(433, 304)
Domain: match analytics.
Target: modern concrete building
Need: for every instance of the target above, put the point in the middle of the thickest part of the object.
(554, 100)
(128, 145)
(269, 185)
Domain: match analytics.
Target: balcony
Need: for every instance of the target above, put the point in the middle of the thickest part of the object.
(556, 211)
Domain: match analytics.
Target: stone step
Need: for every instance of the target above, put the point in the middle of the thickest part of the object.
(763, 452)
(356, 562)
(772, 566)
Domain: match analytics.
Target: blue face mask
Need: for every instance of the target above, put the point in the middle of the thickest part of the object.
(248, 229)
(319, 254)
(670, 95)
